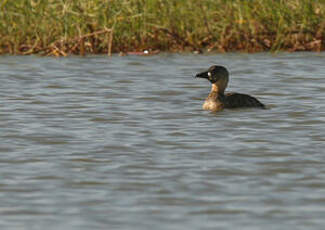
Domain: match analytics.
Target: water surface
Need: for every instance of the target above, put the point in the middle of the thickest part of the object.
(123, 143)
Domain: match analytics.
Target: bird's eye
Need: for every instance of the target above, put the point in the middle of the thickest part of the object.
(209, 74)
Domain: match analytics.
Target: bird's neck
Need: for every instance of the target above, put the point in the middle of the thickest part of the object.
(216, 94)
(214, 101)
(216, 90)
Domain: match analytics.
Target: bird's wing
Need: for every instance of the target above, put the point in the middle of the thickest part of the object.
(236, 100)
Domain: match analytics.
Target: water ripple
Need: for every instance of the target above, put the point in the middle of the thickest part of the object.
(122, 142)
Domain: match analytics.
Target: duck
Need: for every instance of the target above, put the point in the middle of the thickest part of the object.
(217, 99)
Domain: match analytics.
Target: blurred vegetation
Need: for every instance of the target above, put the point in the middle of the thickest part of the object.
(63, 27)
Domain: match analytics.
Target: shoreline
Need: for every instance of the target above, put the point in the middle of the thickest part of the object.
(52, 28)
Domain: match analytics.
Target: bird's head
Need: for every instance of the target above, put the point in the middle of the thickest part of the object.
(217, 75)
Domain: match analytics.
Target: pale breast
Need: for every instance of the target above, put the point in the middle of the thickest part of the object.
(212, 105)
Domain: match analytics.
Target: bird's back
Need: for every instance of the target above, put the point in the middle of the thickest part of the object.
(238, 100)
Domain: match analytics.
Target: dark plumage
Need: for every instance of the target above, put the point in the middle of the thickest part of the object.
(237, 100)
(217, 99)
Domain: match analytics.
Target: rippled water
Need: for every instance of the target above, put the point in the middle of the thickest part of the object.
(123, 143)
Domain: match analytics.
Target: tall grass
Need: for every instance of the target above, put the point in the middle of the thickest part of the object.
(62, 27)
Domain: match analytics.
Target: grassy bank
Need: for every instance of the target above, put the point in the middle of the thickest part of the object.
(62, 27)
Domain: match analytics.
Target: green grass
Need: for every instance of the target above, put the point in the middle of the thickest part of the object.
(62, 27)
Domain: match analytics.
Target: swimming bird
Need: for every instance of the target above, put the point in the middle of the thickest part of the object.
(217, 99)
